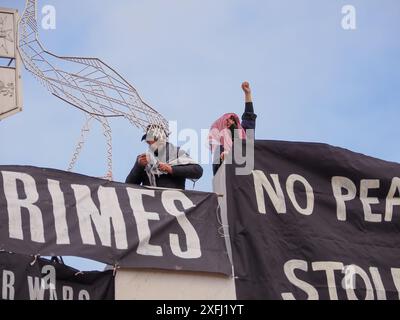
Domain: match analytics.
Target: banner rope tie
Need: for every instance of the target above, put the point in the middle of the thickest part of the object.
(116, 267)
(34, 261)
(221, 229)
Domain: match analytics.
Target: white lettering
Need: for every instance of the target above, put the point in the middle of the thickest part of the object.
(110, 210)
(379, 288)
(396, 279)
(275, 193)
(68, 293)
(290, 266)
(193, 250)
(142, 218)
(339, 183)
(391, 201)
(59, 212)
(15, 204)
(351, 295)
(367, 201)
(292, 179)
(36, 290)
(8, 291)
(83, 295)
(329, 267)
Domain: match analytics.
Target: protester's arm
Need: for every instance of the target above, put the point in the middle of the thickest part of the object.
(189, 171)
(249, 117)
(247, 92)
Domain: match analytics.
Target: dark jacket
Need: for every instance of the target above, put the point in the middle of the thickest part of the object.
(177, 180)
(248, 122)
(249, 117)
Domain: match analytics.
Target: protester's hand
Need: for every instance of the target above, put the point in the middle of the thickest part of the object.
(246, 87)
(142, 159)
(223, 155)
(165, 167)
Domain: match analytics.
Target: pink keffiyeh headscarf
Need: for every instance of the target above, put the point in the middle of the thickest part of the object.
(220, 134)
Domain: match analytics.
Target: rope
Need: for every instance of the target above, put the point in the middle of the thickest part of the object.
(34, 261)
(222, 228)
(116, 267)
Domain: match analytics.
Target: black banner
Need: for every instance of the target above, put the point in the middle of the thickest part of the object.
(26, 278)
(50, 212)
(314, 221)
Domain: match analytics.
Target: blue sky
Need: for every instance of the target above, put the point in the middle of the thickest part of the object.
(311, 79)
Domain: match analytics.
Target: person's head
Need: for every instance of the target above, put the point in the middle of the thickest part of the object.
(231, 122)
(154, 133)
(151, 142)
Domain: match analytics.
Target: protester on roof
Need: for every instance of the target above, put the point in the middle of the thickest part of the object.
(163, 165)
(228, 127)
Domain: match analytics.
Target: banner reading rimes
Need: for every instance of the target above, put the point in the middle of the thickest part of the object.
(50, 212)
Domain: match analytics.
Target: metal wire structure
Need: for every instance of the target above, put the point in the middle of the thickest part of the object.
(85, 83)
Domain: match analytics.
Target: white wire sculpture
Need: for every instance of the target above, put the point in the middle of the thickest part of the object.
(85, 83)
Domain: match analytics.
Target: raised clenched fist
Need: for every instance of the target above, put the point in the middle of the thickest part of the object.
(246, 87)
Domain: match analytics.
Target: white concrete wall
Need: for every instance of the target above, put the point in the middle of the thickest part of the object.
(219, 187)
(137, 284)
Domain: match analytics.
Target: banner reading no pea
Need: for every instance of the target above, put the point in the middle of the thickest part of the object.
(314, 221)
(50, 212)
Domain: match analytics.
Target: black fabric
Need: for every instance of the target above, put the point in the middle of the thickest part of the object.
(264, 243)
(29, 278)
(249, 117)
(217, 160)
(55, 213)
(249, 110)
